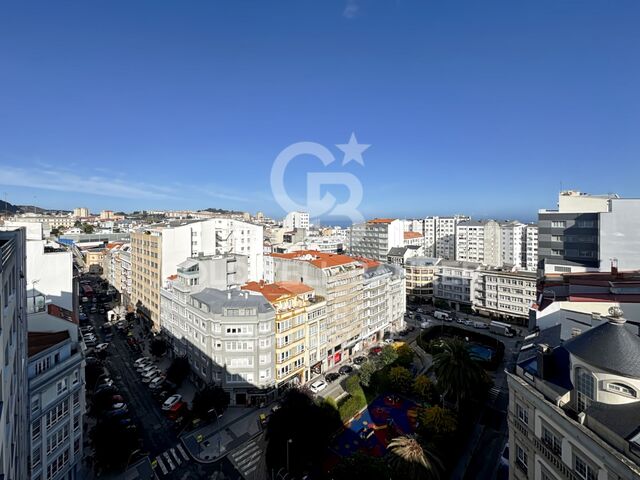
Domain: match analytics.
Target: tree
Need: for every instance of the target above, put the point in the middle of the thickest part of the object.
(410, 460)
(77, 224)
(388, 355)
(179, 370)
(158, 347)
(457, 371)
(302, 428)
(360, 465)
(211, 399)
(86, 228)
(422, 387)
(405, 355)
(400, 379)
(367, 369)
(55, 231)
(437, 421)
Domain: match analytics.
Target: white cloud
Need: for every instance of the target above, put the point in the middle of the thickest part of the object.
(351, 9)
(60, 180)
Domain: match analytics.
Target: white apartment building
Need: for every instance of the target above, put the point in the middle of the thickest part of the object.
(374, 238)
(383, 300)
(573, 406)
(53, 221)
(296, 220)
(505, 294)
(455, 282)
(513, 244)
(415, 239)
(531, 255)
(226, 334)
(479, 241)
(49, 265)
(14, 426)
(56, 398)
(440, 236)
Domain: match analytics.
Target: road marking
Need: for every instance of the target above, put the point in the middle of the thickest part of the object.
(172, 467)
(183, 453)
(246, 458)
(162, 467)
(173, 452)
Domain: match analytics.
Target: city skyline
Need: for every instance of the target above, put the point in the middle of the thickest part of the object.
(161, 107)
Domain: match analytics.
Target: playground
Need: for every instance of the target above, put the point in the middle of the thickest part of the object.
(388, 416)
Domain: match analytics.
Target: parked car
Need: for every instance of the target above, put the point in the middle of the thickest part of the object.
(157, 381)
(141, 361)
(359, 360)
(105, 389)
(118, 406)
(94, 309)
(480, 325)
(89, 342)
(345, 370)
(171, 401)
(150, 375)
(101, 347)
(87, 329)
(375, 350)
(146, 367)
(117, 412)
(317, 386)
(331, 377)
(389, 341)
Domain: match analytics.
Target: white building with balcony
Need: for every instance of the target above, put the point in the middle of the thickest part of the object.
(455, 282)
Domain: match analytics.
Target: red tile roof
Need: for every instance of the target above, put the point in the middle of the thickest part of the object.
(275, 291)
(367, 262)
(408, 235)
(316, 258)
(381, 220)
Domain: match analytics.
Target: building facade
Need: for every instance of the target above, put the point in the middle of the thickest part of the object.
(296, 220)
(574, 408)
(440, 236)
(374, 238)
(531, 256)
(420, 274)
(513, 244)
(14, 426)
(505, 294)
(455, 282)
(480, 242)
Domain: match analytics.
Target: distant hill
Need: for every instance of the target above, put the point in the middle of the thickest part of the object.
(6, 207)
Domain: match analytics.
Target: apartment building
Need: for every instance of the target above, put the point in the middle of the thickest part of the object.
(505, 294)
(587, 232)
(374, 238)
(296, 220)
(399, 255)
(455, 282)
(56, 398)
(420, 274)
(383, 300)
(413, 239)
(513, 244)
(573, 406)
(440, 236)
(117, 270)
(49, 265)
(338, 279)
(479, 241)
(300, 317)
(14, 439)
(157, 250)
(53, 221)
(531, 256)
(81, 212)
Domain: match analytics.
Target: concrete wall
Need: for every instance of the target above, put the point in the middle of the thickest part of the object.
(620, 235)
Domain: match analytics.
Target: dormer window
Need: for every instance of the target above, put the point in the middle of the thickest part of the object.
(621, 389)
(585, 388)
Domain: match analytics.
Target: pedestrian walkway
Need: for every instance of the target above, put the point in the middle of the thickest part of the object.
(169, 460)
(246, 458)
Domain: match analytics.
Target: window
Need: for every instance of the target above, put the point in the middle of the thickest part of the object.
(583, 469)
(57, 438)
(61, 386)
(556, 238)
(622, 389)
(558, 224)
(76, 399)
(521, 458)
(523, 414)
(551, 440)
(58, 464)
(57, 413)
(35, 430)
(76, 423)
(585, 387)
(558, 252)
(36, 458)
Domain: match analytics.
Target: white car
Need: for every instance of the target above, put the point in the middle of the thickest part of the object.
(101, 346)
(141, 361)
(171, 401)
(389, 341)
(318, 386)
(146, 367)
(150, 375)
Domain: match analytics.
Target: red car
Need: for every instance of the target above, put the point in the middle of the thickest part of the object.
(178, 410)
(375, 351)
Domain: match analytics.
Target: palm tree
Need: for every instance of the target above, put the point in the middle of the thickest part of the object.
(457, 370)
(412, 461)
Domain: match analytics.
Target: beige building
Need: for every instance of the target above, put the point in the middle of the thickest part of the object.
(504, 294)
(81, 212)
(420, 274)
(574, 407)
(299, 316)
(339, 279)
(53, 221)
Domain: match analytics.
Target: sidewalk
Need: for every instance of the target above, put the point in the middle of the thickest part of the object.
(211, 442)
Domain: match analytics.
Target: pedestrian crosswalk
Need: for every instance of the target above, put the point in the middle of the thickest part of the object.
(171, 459)
(246, 458)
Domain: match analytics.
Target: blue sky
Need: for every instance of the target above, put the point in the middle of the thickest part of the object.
(485, 108)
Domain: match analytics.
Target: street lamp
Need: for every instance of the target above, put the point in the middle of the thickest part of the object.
(289, 442)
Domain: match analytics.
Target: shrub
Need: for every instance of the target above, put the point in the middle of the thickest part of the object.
(388, 355)
(422, 387)
(350, 406)
(405, 356)
(400, 379)
(366, 373)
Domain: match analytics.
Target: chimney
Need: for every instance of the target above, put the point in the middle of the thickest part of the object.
(229, 295)
(543, 357)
